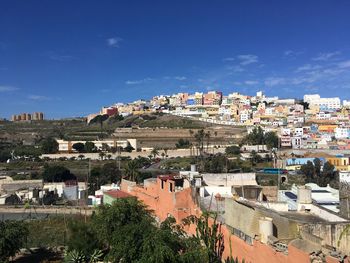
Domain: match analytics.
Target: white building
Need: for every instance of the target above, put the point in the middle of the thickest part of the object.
(323, 103)
(299, 132)
(244, 116)
(342, 133)
(67, 146)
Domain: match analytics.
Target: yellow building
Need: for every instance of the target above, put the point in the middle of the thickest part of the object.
(327, 128)
(340, 163)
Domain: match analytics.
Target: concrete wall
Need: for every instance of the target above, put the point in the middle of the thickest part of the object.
(246, 219)
(330, 234)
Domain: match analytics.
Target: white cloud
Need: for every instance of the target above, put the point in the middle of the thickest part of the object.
(114, 41)
(274, 81)
(308, 67)
(136, 82)
(291, 53)
(180, 78)
(251, 82)
(228, 59)
(326, 56)
(38, 97)
(105, 90)
(288, 52)
(247, 59)
(7, 89)
(344, 64)
(58, 56)
(236, 68)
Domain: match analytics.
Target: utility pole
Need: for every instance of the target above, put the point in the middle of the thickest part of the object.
(87, 181)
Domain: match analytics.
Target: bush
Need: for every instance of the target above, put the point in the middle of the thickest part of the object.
(49, 145)
(234, 150)
(181, 144)
(12, 238)
(57, 173)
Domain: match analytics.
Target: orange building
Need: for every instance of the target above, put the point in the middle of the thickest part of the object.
(174, 195)
(327, 128)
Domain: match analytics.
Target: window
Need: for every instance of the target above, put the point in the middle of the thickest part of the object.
(170, 187)
(162, 184)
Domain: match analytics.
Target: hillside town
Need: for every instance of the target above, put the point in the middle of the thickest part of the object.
(174, 131)
(311, 123)
(279, 187)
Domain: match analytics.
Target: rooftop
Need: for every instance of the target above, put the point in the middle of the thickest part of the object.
(117, 194)
(302, 217)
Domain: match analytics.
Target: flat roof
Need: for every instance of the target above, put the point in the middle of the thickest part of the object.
(292, 215)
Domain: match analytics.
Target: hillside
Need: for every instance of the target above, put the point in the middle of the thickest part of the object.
(77, 129)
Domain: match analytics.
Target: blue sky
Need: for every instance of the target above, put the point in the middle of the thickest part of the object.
(69, 58)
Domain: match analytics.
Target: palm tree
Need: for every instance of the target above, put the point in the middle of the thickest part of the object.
(102, 155)
(215, 134)
(345, 232)
(166, 152)
(131, 170)
(155, 153)
(199, 137)
(207, 136)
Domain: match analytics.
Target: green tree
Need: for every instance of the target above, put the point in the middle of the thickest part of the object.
(57, 173)
(207, 137)
(255, 158)
(49, 145)
(255, 137)
(209, 235)
(12, 238)
(233, 150)
(89, 147)
(79, 147)
(129, 148)
(328, 176)
(102, 155)
(105, 147)
(308, 170)
(199, 137)
(216, 164)
(100, 119)
(111, 173)
(182, 144)
(132, 170)
(82, 238)
(317, 167)
(95, 180)
(27, 151)
(5, 155)
(131, 233)
(107, 174)
(122, 227)
(271, 140)
(155, 153)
